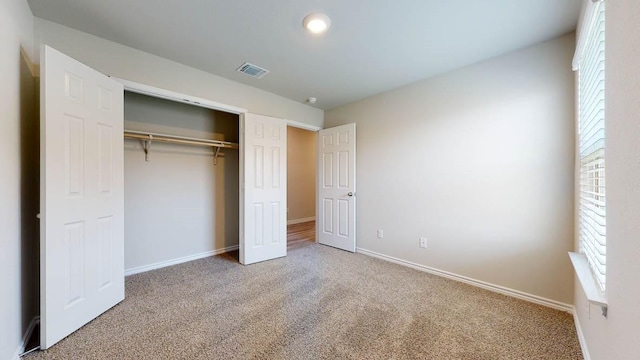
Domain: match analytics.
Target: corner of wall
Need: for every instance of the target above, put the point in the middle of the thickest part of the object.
(580, 333)
(17, 88)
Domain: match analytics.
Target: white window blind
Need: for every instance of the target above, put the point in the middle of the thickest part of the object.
(591, 130)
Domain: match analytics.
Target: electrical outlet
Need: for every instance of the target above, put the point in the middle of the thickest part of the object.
(423, 242)
(380, 234)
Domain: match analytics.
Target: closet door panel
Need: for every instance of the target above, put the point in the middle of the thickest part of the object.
(263, 198)
(81, 195)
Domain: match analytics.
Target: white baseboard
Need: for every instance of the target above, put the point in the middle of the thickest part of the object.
(481, 284)
(179, 260)
(581, 339)
(25, 337)
(302, 220)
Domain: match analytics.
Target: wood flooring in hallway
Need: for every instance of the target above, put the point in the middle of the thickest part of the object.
(301, 235)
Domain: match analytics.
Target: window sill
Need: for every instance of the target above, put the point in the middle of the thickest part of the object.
(591, 290)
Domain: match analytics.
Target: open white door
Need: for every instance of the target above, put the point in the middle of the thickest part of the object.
(263, 184)
(336, 224)
(81, 195)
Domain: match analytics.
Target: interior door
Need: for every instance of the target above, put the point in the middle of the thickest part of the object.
(82, 195)
(263, 184)
(336, 225)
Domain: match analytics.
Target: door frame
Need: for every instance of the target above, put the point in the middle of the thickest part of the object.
(316, 129)
(157, 92)
(161, 93)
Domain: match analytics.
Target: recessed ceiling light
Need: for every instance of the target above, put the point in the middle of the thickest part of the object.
(316, 23)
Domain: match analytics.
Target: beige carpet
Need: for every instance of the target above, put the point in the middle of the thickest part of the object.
(317, 303)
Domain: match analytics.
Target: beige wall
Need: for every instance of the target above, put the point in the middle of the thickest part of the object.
(127, 63)
(18, 207)
(480, 161)
(616, 337)
(301, 173)
(179, 204)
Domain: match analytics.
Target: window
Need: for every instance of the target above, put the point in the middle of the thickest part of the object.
(591, 141)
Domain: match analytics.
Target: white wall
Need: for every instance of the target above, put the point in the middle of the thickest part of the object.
(480, 161)
(301, 173)
(179, 203)
(127, 63)
(17, 91)
(616, 337)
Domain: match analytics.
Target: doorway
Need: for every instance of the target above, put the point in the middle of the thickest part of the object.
(301, 187)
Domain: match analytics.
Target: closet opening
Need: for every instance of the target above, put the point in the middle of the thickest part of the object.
(181, 192)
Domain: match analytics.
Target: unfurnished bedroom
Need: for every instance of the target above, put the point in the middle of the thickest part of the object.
(319, 179)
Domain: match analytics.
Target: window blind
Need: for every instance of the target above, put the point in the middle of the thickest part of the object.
(591, 137)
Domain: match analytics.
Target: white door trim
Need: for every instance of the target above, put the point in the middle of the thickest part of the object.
(301, 125)
(176, 96)
(196, 101)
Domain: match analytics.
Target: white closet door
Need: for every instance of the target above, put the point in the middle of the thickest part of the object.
(82, 195)
(263, 184)
(336, 214)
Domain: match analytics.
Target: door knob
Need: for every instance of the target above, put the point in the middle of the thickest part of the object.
(350, 193)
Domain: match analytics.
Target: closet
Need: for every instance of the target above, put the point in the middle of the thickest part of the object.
(112, 206)
(181, 182)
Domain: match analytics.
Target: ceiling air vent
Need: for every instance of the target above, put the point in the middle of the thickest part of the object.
(253, 70)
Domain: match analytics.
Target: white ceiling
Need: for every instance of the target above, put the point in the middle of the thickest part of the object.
(372, 45)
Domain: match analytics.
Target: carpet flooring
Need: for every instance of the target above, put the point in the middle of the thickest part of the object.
(316, 303)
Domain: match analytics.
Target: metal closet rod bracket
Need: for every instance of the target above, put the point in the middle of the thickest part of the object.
(146, 146)
(215, 156)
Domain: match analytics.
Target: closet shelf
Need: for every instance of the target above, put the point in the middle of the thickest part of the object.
(148, 137)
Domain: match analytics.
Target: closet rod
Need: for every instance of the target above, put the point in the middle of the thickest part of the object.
(178, 139)
(148, 137)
